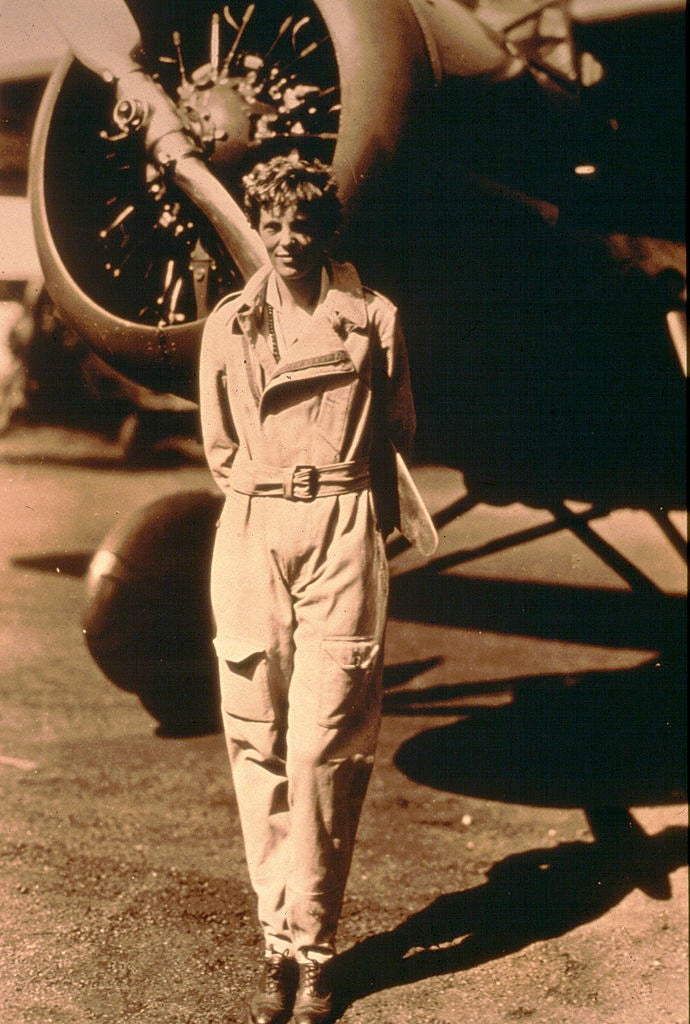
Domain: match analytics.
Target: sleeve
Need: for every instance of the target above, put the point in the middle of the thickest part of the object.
(394, 419)
(400, 417)
(217, 429)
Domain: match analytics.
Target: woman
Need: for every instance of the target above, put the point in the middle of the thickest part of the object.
(304, 386)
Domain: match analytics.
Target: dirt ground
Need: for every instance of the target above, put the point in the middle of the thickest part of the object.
(522, 684)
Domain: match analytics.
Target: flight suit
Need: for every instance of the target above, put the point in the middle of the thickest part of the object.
(299, 580)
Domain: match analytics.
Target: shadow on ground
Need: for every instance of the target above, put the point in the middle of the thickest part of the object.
(596, 739)
(531, 896)
(600, 741)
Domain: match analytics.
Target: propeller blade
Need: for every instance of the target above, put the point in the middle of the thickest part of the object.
(203, 188)
(593, 11)
(102, 34)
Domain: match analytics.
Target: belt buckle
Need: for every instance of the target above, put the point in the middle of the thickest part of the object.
(310, 483)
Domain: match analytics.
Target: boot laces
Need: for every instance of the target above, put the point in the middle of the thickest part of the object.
(311, 975)
(274, 972)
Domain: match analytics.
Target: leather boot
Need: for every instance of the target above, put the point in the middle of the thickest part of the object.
(272, 1001)
(313, 1002)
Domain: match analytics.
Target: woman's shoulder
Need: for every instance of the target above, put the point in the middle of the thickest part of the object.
(226, 307)
(378, 305)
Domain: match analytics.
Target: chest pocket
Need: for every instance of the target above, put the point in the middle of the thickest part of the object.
(318, 390)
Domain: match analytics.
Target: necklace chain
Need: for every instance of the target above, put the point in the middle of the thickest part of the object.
(272, 332)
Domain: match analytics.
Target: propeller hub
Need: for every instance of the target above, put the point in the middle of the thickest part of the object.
(130, 114)
(223, 116)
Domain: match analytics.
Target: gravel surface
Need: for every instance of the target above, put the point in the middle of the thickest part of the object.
(123, 892)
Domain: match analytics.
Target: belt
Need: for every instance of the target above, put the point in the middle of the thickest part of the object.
(299, 483)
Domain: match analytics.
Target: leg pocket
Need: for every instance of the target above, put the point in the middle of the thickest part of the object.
(348, 665)
(244, 688)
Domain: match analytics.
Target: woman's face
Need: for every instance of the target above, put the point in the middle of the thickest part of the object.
(294, 244)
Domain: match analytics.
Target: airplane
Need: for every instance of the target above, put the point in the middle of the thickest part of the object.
(502, 164)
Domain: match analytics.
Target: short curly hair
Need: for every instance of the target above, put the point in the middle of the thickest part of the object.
(285, 181)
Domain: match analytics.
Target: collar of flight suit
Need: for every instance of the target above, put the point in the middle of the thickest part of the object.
(344, 304)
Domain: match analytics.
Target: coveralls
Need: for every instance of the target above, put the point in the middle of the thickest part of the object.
(299, 579)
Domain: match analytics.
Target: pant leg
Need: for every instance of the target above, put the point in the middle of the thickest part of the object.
(253, 612)
(329, 764)
(254, 725)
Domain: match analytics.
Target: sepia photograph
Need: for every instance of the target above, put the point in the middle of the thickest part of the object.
(343, 626)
